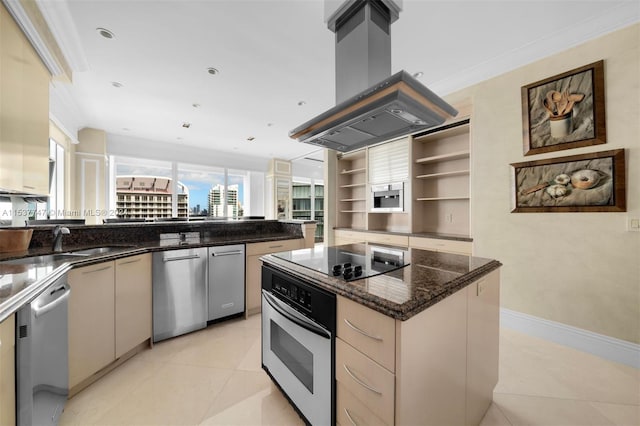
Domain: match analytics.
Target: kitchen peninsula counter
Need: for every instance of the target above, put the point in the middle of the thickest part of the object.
(21, 281)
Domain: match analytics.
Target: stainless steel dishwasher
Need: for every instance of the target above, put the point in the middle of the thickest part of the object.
(226, 281)
(179, 292)
(42, 356)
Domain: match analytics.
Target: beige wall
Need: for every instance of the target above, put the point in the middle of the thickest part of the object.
(581, 269)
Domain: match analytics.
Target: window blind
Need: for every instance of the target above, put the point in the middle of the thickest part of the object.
(389, 162)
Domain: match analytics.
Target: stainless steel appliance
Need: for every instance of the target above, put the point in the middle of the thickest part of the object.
(387, 197)
(179, 292)
(372, 105)
(226, 281)
(298, 343)
(42, 356)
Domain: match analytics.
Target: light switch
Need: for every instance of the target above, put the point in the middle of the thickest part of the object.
(633, 224)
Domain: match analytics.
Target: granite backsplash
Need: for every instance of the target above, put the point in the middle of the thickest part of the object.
(132, 233)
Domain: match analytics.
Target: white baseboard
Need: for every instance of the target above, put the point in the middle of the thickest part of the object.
(597, 344)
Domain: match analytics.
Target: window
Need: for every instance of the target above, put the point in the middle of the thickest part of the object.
(206, 188)
(146, 189)
(308, 203)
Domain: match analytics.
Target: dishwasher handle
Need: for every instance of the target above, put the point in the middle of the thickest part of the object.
(171, 259)
(227, 253)
(64, 291)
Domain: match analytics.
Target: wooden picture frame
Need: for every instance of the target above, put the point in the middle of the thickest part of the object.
(592, 182)
(564, 111)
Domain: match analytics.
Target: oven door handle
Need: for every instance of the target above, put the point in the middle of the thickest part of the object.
(294, 316)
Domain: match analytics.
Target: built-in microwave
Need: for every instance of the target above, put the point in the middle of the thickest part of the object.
(388, 197)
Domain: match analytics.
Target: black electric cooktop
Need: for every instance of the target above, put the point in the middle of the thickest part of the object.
(350, 261)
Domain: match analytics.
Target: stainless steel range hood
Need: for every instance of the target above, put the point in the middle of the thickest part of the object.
(372, 106)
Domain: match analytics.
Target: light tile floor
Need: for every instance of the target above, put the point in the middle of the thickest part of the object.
(213, 377)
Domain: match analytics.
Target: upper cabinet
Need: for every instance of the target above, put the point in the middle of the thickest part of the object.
(24, 112)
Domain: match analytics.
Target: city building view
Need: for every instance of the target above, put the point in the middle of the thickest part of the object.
(150, 197)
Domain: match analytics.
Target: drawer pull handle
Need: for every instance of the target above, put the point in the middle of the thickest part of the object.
(364, 333)
(349, 417)
(130, 261)
(278, 246)
(360, 382)
(96, 270)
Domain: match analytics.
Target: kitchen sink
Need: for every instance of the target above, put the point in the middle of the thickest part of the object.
(97, 250)
(60, 257)
(47, 258)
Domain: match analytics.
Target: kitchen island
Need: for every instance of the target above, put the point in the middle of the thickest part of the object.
(414, 345)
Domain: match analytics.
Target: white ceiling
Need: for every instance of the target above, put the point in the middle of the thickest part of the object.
(271, 54)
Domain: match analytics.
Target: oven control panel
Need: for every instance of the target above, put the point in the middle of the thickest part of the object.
(292, 292)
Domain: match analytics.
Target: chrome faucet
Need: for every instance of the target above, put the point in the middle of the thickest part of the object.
(58, 232)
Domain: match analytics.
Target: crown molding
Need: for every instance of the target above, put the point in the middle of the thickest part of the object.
(60, 22)
(30, 20)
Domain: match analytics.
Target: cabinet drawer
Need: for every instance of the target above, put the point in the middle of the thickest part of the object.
(274, 246)
(370, 383)
(349, 236)
(350, 410)
(394, 240)
(371, 332)
(451, 246)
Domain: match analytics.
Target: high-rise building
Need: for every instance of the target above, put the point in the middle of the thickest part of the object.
(149, 197)
(216, 201)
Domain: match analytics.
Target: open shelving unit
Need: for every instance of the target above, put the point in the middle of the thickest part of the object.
(352, 190)
(441, 183)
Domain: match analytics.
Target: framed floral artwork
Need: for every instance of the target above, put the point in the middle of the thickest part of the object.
(564, 111)
(592, 182)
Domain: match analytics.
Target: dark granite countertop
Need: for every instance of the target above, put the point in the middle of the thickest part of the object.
(21, 282)
(430, 277)
(437, 235)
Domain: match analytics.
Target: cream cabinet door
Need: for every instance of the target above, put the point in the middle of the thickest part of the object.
(132, 302)
(35, 133)
(11, 102)
(7, 371)
(253, 276)
(24, 112)
(483, 334)
(91, 320)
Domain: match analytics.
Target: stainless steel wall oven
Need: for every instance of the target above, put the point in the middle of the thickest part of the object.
(387, 198)
(298, 342)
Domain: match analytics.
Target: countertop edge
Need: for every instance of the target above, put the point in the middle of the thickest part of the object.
(14, 303)
(433, 235)
(400, 312)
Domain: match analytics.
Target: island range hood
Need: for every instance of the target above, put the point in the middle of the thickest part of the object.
(372, 106)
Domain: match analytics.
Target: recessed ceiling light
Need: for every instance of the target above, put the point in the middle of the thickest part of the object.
(126, 129)
(195, 105)
(250, 138)
(186, 125)
(117, 84)
(418, 74)
(105, 33)
(269, 124)
(212, 71)
(300, 103)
